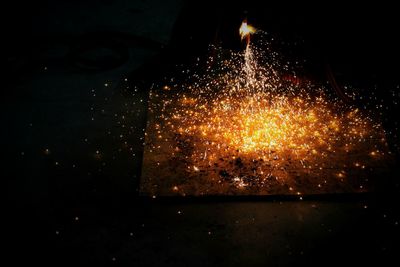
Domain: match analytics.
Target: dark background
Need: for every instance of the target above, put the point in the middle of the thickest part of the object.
(74, 91)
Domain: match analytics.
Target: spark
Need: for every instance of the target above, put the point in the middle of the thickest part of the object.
(243, 111)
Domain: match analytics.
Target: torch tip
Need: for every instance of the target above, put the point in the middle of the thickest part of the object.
(246, 30)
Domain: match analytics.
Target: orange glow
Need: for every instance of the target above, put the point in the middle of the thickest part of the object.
(242, 122)
(246, 30)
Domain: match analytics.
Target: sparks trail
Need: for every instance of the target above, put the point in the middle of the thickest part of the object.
(242, 125)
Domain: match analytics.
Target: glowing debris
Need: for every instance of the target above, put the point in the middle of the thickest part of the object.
(247, 123)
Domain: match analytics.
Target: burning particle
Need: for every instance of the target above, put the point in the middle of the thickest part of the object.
(340, 174)
(374, 153)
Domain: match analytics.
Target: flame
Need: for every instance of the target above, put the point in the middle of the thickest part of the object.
(245, 30)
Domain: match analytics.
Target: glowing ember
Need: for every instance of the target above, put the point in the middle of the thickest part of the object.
(276, 124)
(241, 128)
